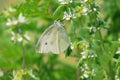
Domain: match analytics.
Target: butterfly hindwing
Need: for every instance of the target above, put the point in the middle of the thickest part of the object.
(64, 41)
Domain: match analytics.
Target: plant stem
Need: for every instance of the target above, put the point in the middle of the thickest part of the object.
(23, 57)
(78, 73)
(102, 45)
(110, 72)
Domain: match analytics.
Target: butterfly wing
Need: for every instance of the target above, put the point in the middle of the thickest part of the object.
(60, 40)
(48, 42)
(54, 39)
(43, 44)
(63, 40)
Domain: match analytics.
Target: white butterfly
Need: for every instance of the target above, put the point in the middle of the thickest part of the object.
(54, 39)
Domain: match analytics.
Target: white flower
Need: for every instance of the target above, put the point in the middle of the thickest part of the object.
(85, 0)
(85, 45)
(13, 36)
(1, 73)
(82, 69)
(94, 29)
(27, 36)
(94, 9)
(19, 38)
(86, 66)
(16, 37)
(62, 1)
(30, 72)
(10, 9)
(12, 33)
(119, 39)
(86, 74)
(65, 1)
(118, 51)
(85, 10)
(83, 54)
(71, 1)
(70, 14)
(66, 16)
(11, 22)
(21, 18)
(72, 47)
(117, 77)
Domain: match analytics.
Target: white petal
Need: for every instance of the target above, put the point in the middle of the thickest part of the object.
(21, 18)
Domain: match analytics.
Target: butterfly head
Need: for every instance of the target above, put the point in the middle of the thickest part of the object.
(58, 23)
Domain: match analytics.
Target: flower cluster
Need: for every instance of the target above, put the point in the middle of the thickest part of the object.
(9, 11)
(117, 77)
(70, 14)
(65, 1)
(77, 11)
(15, 23)
(85, 51)
(83, 45)
(19, 37)
(82, 10)
(87, 71)
(93, 29)
(18, 74)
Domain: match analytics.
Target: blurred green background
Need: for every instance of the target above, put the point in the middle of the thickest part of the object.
(45, 67)
(51, 66)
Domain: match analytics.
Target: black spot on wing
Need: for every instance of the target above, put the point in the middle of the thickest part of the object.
(46, 43)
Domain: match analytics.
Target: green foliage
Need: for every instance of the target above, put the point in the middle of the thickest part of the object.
(92, 25)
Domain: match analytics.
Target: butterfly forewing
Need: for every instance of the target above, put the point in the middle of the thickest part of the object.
(43, 45)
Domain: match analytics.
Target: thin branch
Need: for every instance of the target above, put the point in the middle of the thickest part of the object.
(23, 56)
(78, 73)
(102, 45)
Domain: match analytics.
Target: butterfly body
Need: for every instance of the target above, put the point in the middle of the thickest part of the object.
(54, 39)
